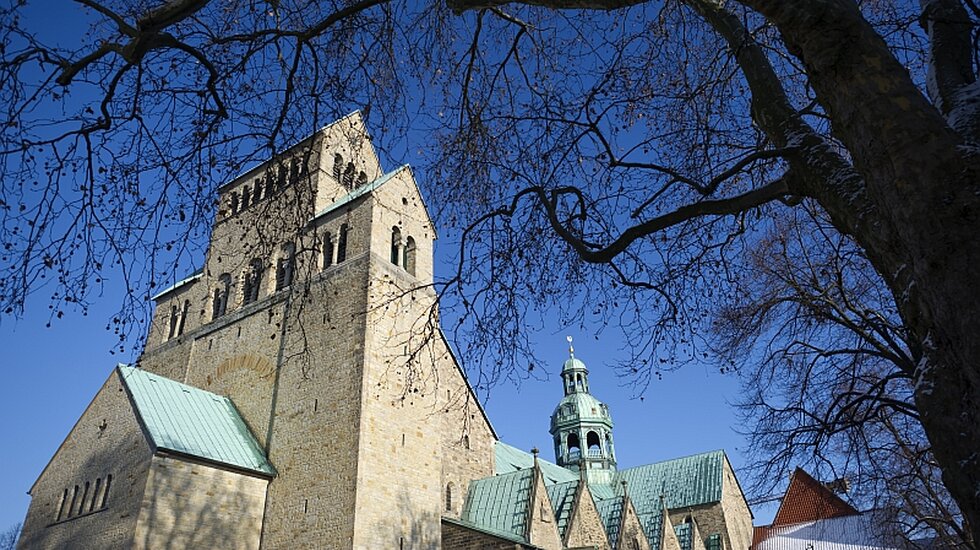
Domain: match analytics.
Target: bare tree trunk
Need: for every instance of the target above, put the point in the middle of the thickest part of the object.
(923, 180)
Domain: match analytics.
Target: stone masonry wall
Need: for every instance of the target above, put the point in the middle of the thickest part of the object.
(106, 441)
(193, 505)
(457, 537)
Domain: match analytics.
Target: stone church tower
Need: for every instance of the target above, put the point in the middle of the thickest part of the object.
(314, 313)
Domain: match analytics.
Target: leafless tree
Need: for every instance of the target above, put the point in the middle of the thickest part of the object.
(8, 539)
(826, 367)
(611, 157)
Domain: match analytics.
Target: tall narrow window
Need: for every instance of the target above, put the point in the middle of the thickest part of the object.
(183, 317)
(342, 244)
(338, 166)
(105, 494)
(257, 195)
(95, 494)
(253, 281)
(81, 503)
(173, 321)
(449, 497)
(61, 508)
(361, 179)
(327, 250)
(270, 185)
(74, 501)
(410, 255)
(220, 305)
(234, 203)
(284, 267)
(349, 176)
(396, 245)
(246, 197)
(281, 180)
(293, 171)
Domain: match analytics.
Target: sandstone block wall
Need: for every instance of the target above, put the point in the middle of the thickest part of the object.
(194, 505)
(106, 441)
(457, 537)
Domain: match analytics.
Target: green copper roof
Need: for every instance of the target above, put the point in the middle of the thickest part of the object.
(511, 459)
(562, 497)
(360, 191)
(687, 481)
(573, 364)
(499, 504)
(192, 421)
(611, 513)
(580, 407)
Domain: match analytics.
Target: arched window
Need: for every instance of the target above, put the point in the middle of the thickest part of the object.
(234, 203)
(81, 503)
(253, 281)
(293, 171)
(246, 197)
(105, 494)
(592, 442)
(281, 180)
(327, 250)
(396, 245)
(574, 449)
(74, 501)
(257, 195)
(95, 494)
(183, 317)
(174, 313)
(61, 508)
(410, 255)
(361, 179)
(342, 244)
(349, 176)
(219, 306)
(449, 497)
(338, 166)
(466, 441)
(270, 185)
(285, 267)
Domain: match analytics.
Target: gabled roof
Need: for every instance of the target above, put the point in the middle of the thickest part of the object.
(562, 496)
(511, 459)
(499, 504)
(853, 532)
(611, 513)
(806, 499)
(194, 422)
(360, 191)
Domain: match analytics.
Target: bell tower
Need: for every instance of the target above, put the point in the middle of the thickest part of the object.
(581, 425)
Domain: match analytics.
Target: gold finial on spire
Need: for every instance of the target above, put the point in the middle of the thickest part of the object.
(571, 350)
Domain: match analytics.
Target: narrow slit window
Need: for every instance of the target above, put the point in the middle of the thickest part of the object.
(338, 166)
(396, 245)
(105, 494)
(74, 500)
(342, 244)
(409, 264)
(183, 317)
(246, 197)
(81, 504)
(61, 507)
(173, 321)
(327, 250)
(234, 203)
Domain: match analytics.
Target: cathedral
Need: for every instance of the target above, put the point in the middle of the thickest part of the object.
(298, 392)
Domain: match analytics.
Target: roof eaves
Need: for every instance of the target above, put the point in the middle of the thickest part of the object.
(493, 532)
(287, 148)
(186, 280)
(358, 193)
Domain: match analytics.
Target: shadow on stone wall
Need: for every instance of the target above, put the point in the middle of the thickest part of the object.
(407, 527)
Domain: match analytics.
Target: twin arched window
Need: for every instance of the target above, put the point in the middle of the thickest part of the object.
(403, 255)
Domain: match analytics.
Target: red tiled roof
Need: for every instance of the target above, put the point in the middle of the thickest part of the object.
(806, 499)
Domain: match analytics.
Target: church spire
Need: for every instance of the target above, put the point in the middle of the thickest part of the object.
(581, 425)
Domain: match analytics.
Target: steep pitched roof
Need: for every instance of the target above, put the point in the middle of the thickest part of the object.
(509, 459)
(194, 422)
(806, 499)
(562, 496)
(852, 532)
(499, 504)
